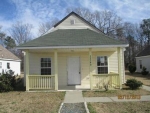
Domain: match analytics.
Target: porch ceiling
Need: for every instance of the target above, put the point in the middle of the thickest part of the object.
(73, 50)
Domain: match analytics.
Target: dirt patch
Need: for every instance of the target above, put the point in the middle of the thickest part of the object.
(111, 93)
(144, 79)
(30, 102)
(119, 107)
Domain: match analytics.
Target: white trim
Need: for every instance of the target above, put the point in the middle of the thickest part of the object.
(10, 59)
(143, 56)
(56, 47)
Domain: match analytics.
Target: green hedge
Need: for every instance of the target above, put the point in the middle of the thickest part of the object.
(133, 84)
(7, 82)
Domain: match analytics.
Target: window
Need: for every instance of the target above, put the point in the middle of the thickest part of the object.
(72, 22)
(140, 62)
(8, 65)
(102, 65)
(45, 66)
(0, 65)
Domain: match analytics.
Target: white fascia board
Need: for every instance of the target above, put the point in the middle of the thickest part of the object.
(143, 56)
(64, 47)
(4, 59)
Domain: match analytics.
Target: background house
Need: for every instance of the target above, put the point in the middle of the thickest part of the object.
(9, 61)
(143, 59)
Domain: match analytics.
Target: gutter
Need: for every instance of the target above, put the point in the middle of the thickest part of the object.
(65, 47)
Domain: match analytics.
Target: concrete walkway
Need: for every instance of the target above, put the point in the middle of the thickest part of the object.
(73, 97)
(146, 87)
(76, 97)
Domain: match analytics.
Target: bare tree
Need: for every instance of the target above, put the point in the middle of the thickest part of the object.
(139, 37)
(21, 33)
(2, 36)
(107, 21)
(145, 25)
(45, 26)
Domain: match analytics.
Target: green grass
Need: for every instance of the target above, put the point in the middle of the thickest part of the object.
(30, 102)
(91, 109)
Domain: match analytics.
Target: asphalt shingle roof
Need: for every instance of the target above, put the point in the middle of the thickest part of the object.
(6, 54)
(145, 52)
(72, 37)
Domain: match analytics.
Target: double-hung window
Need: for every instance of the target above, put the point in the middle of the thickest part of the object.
(45, 66)
(102, 65)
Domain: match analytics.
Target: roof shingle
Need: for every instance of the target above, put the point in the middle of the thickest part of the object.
(6, 54)
(72, 37)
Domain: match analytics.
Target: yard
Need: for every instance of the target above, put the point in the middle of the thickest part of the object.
(111, 93)
(140, 77)
(30, 102)
(120, 107)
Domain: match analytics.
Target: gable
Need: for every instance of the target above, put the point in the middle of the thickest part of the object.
(80, 23)
(81, 34)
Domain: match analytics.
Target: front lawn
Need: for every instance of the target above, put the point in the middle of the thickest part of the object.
(119, 107)
(111, 93)
(30, 102)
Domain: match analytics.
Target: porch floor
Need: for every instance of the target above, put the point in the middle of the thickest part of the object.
(74, 87)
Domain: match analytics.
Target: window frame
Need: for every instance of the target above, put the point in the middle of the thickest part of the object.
(0, 65)
(8, 65)
(46, 67)
(102, 66)
(140, 64)
(72, 21)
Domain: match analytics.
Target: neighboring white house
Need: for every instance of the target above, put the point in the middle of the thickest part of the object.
(143, 60)
(74, 55)
(8, 61)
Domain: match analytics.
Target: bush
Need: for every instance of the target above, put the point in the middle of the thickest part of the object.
(144, 72)
(133, 84)
(132, 68)
(7, 82)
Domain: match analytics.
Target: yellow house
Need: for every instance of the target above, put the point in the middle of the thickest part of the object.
(74, 54)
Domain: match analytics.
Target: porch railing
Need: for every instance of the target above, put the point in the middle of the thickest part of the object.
(41, 81)
(111, 80)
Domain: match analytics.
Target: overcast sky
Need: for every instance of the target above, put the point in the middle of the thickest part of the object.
(37, 11)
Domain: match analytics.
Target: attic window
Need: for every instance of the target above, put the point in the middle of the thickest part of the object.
(72, 22)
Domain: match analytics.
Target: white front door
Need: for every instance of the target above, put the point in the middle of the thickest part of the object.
(74, 77)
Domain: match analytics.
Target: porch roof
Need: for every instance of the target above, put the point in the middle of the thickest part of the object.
(72, 37)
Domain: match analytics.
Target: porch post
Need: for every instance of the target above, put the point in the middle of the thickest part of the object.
(56, 69)
(119, 66)
(27, 69)
(90, 68)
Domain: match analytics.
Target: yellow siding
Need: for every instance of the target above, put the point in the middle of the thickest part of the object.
(113, 62)
(35, 62)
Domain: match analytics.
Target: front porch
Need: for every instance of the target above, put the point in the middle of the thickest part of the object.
(99, 81)
(88, 71)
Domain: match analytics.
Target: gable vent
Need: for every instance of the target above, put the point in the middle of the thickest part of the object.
(72, 22)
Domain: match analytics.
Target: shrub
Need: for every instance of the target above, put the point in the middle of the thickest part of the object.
(7, 83)
(132, 68)
(133, 84)
(144, 72)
